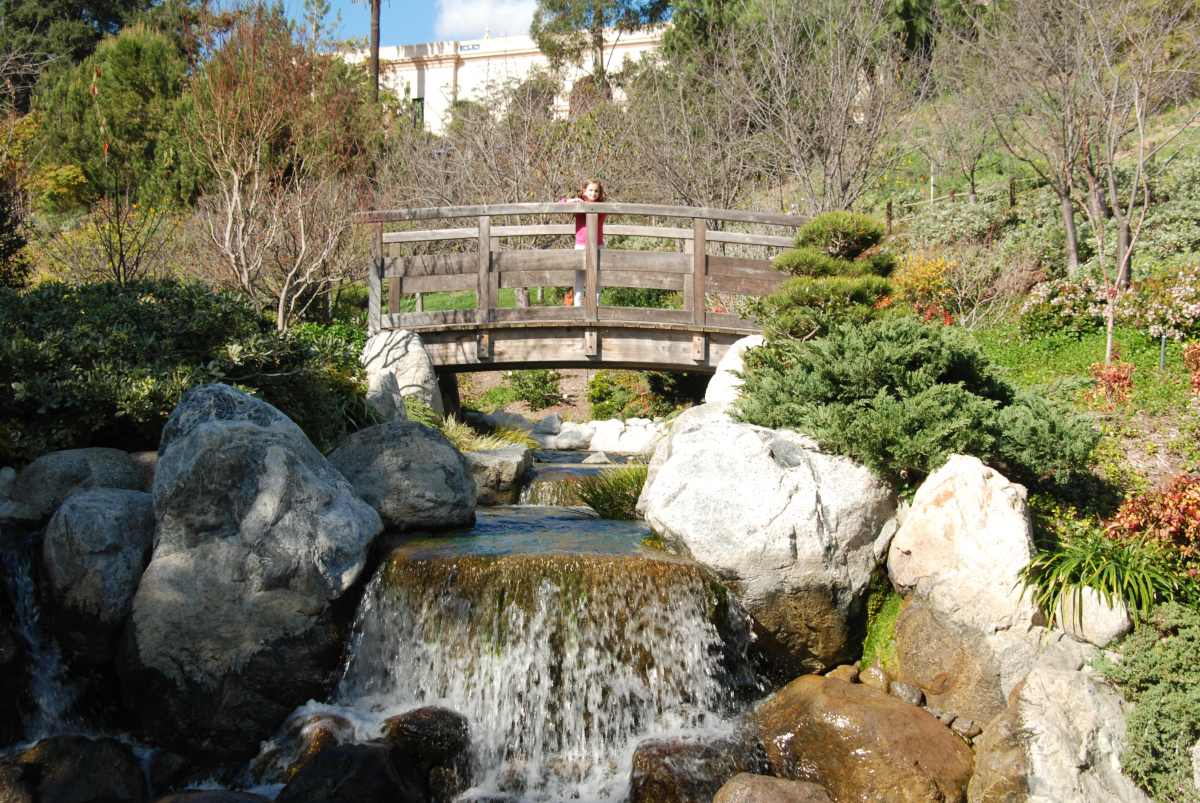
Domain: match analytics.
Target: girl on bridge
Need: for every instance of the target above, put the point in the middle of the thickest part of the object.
(590, 191)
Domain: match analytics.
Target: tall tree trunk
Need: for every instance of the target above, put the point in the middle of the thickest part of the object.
(1068, 217)
(375, 50)
(599, 75)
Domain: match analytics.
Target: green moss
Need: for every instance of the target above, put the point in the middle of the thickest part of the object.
(883, 608)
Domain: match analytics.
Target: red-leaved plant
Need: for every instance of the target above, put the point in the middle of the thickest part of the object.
(1170, 517)
(1114, 382)
(1191, 359)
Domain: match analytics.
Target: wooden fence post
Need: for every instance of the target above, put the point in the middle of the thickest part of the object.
(483, 295)
(375, 282)
(591, 284)
(699, 269)
(888, 217)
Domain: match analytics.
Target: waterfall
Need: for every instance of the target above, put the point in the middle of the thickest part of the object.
(51, 695)
(561, 663)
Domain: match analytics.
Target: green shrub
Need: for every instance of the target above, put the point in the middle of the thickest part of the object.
(843, 235)
(642, 394)
(104, 365)
(1062, 308)
(901, 396)
(1159, 672)
(804, 307)
(337, 344)
(539, 388)
(649, 297)
(613, 493)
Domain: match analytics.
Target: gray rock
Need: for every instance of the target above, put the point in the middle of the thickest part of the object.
(1060, 738)
(499, 474)
(94, 552)
(725, 385)
(398, 367)
(906, 692)
(257, 536)
(147, 463)
(796, 533)
(410, 474)
(597, 459)
(8, 475)
(550, 425)
(71, 769)
(1088, 617)
(45, 483)
(570, 436)
(747, 788)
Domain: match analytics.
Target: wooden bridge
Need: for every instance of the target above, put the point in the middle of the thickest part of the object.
(490, 337)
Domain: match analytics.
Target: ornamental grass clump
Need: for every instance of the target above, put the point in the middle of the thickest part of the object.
(902, 396)
(613, 493)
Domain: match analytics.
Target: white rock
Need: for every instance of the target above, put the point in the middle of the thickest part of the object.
(606, 435)
(1073, 728)
(797, 532)
(963, 543)
(397, 367)
(597, 459)
(725, 386)
(1088, 617)
(502, 419)
(573, 436)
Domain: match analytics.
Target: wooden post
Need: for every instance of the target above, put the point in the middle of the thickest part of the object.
(483, 295)
(394, 295)
(375, 281)
(888, 216)
(1012, 192)
(591, 284)
(699, 269)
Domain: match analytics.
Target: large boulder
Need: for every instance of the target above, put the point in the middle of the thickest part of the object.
(45, 483)
(499, 474)
(397, 367)
(95, 549)
(1089, 617)
(233, 623)
(354, 772)
(746, 787)
(962, 546)
(690, 770)
(726, 384)
(861, 744)
(434, 744)
(796, 533)
(1060, 738)
(410, 473)
(73, 769)
(631, 436)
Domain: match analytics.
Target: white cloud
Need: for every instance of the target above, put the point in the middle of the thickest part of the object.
(470, 19)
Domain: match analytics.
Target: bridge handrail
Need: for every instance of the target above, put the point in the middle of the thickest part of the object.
(577, 207)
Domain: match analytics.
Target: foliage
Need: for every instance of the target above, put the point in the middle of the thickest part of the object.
(1169, 517)
(539, 388)
(804, 307)
(1063, 308)
(921, 279)
(641, 394)
(118, 116)
(1168, 305)
(567, 29)
(104, 365)
(841, 235)
(810, 261)
(1191, 360)
(883, 609)
(464, 437)
(1114, 382)
(1159, 673)
(613, 492)
(902, 396)
(14, 265)
(337, 344)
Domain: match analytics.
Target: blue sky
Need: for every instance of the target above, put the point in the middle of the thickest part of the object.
(406, 22)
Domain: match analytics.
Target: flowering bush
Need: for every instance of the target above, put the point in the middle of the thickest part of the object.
(1169, 306)
(921, 279)
(1170, 517)
(1063, 307)
(1191, 359)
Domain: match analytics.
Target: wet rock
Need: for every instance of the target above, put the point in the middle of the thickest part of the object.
(1088, 617)
(257, 537)
(13, 675)
(962, 546)
(166, 771)
(45, 483)
(860, 744)
(1061, 736)
(747, 788)
(499, 474)
(875, 677)
(846, 672)
(353, 772)
(690, 771)
(8, 475)
(726, 384)
(434, 743)
(212, 796)
(906, 692)
(94, 552)
(397, 367)
(298, 741)
(74, 769)
(796, 533)
(410, 474)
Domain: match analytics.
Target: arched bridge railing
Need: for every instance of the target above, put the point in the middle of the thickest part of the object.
(477, 261)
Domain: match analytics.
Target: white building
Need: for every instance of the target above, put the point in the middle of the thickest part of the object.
(436, 74)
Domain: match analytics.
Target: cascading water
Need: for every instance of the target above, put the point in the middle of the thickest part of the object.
(560, 662)
(52, 696)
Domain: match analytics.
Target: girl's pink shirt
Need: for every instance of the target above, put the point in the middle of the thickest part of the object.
(581, 225)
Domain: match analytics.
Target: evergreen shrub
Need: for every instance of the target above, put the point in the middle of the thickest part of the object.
(901, 396)
(1159, 672)
(841, 235)
(105, 364)
(642, 394)
(539, 388)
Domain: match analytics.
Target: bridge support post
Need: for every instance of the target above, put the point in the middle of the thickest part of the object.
(448, 385)
(375, 281)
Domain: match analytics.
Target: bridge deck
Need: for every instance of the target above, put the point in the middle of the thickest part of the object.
(489, 337)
